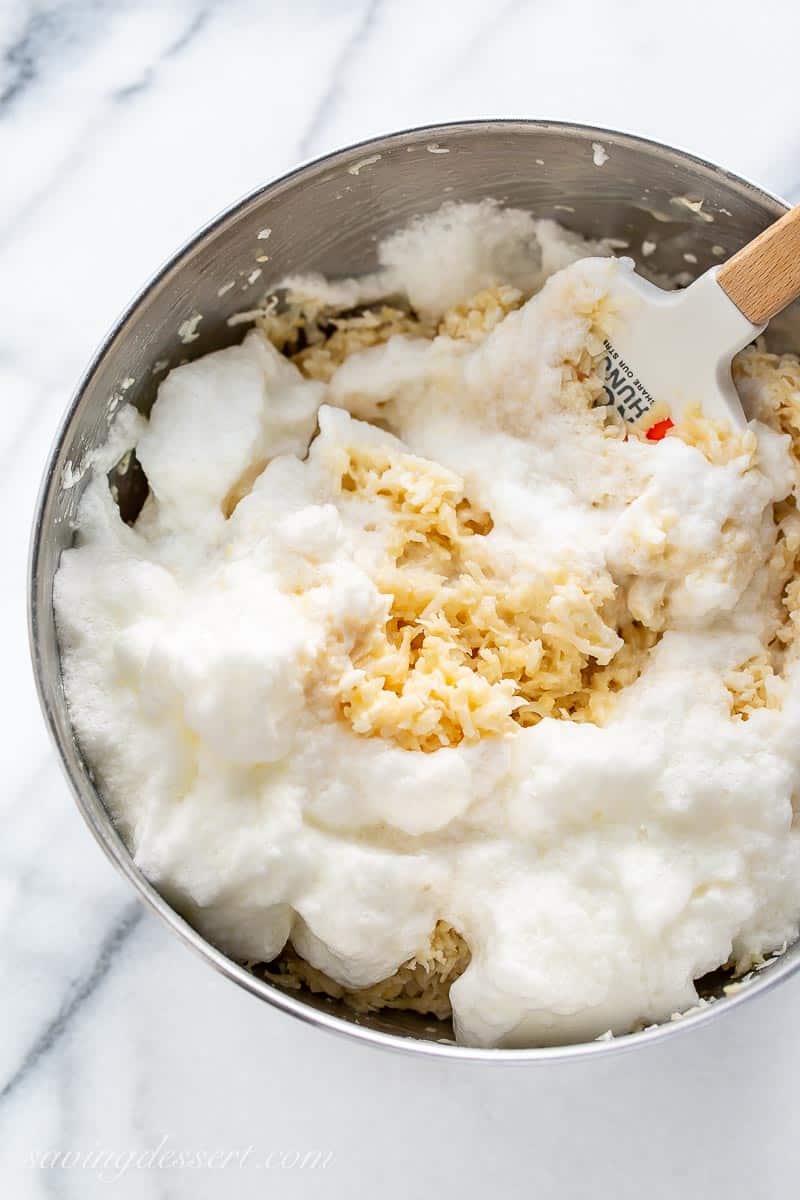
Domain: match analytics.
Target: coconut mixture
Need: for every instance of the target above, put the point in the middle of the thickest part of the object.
(417, 681)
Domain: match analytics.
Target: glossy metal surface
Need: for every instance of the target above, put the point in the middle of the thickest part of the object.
(328, 216)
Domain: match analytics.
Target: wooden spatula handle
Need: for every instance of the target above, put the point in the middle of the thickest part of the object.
(765, 275)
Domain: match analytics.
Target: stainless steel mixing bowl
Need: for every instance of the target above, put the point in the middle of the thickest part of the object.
(327, 216)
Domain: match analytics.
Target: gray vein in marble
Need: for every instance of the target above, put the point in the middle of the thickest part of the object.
(45, 30)
(493, 25)
(330, 98)
(22, 56)
(61, 1022)
(184, 39)
(82, 151)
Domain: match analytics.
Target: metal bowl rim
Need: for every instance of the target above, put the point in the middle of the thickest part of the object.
(88, 800)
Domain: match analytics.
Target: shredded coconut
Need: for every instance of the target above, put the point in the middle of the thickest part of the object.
(420, 985)
(461, 652)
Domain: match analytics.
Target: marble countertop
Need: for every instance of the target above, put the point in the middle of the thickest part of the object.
(124, 124)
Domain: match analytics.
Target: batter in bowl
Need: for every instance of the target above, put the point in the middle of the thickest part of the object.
(423, 681)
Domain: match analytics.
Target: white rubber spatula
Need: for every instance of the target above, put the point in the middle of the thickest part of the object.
(673, 350)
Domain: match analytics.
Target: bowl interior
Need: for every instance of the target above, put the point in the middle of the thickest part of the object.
(328, 217)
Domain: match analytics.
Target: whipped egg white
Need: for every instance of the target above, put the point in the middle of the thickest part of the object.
(408, 631)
